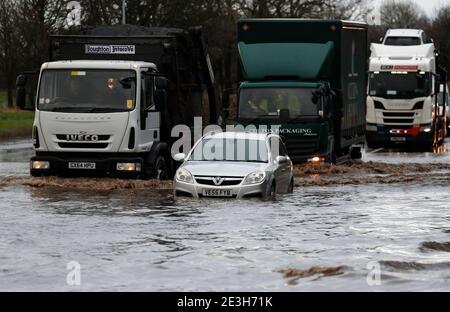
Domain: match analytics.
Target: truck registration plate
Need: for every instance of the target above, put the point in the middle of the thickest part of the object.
(398, 139)
(82, 165)
(216, 193)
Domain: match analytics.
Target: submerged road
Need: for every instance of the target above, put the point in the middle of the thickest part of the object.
(333, 238)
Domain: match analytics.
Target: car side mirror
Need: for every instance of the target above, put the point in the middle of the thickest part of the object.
(21, 92)
(179, 157)
(281, 159)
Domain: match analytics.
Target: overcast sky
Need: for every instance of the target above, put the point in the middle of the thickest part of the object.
(429, 6)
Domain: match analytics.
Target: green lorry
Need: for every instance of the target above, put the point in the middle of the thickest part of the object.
(306, 80)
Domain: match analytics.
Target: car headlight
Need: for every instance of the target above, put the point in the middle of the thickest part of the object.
(183, 175)
(255, 177)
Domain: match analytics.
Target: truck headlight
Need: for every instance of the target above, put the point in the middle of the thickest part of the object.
(255, 177)
(128, 167)
(183, 175)
(40, 164)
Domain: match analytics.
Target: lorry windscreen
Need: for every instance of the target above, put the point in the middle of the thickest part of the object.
(407, 85)
(87, 90)
(402, 41)
(267, 102)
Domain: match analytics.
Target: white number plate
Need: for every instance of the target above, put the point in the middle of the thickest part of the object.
(398, 139)
(216, 193)
(82, 165)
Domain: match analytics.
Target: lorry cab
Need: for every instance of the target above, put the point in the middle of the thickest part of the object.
(305, 80)
(402, 95)
(108, 100)
(405, 37)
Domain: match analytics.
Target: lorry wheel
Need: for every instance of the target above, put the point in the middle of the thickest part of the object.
(372, 145)
(160, 169)
(355, 153)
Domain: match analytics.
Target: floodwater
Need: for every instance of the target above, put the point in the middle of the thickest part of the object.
(334, 237)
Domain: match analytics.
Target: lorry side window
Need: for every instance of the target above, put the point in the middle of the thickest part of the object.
(147, 88)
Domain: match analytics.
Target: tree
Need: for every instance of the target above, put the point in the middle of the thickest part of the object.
(441, 34)
(403, 14)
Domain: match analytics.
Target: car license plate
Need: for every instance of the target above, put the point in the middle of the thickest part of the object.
(82, 165)
(398, 139)
(216, 193)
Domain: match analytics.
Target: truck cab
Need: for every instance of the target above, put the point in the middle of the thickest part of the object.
(405, 37)
(304, 80)
(108, 100)
(402, 96)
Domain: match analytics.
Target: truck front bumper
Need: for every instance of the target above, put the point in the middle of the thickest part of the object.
(391, 135)
(98, 164)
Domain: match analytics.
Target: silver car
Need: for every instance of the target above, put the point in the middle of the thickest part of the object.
(235, 164)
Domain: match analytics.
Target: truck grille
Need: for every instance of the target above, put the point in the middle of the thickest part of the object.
(299, 148)
(398, 117)
(227, 181)
(100, 143)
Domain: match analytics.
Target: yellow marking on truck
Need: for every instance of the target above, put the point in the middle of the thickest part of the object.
(129, 104)
(77, 73)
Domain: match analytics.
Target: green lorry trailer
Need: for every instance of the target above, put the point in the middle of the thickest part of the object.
(306, 80)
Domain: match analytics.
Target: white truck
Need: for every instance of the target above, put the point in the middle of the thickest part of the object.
(402, 104)
(109, 98)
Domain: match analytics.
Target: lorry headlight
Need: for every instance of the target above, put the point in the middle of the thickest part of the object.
(183, 175)
(255, 177)
(128, 167)
(40, 164)
(426, 129)
(316, 159)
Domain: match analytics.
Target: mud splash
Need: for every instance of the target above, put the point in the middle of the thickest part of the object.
(293, 275)
(86, 183)
(356, 172)
(437, 246)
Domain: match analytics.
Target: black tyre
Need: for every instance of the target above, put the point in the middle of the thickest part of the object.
(272, 192)
(291, 186)
(355, 153)
(161, 169)
(372, 145)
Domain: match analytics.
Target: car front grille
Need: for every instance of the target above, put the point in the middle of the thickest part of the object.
(209, 180)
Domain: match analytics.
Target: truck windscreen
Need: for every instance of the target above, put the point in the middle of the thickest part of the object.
(267, 102)
(87, 90)
(402, 41)
(404, 85)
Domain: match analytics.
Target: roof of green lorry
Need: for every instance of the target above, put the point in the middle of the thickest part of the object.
(303, 20)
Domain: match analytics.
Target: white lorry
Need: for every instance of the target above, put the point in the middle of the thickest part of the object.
(404, 79)
(107, 101)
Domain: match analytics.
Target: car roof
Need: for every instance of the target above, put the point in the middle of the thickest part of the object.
(239, 135)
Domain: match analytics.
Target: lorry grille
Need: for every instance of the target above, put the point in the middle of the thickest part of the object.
(63, 137)
(101, 142)
(207, 180)
(405, 118)
(299, 148)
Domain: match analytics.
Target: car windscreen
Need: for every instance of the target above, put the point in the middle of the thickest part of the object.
(230, 149)
(399, 85)
(402, 41)
(267, 102)
(87, 90)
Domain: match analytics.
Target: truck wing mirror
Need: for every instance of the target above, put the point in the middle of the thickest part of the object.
(160, 82)
(21, 91)
(160, 98)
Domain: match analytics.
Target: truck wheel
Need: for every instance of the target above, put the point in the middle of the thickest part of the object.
(160, 169)
(372, 145)
(355, 152)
